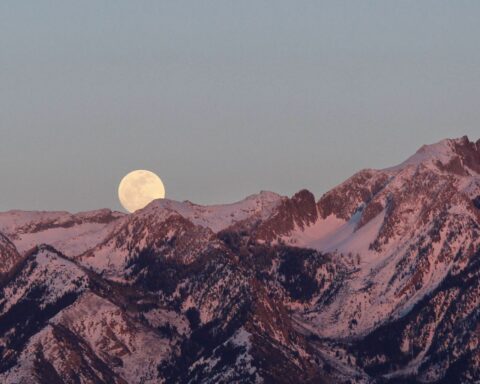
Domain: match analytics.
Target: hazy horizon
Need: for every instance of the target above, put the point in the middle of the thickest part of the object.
(224, 99)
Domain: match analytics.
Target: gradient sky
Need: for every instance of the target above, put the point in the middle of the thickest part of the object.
(225, 98)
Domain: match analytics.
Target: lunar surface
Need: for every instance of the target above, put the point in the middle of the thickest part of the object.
(139, 188)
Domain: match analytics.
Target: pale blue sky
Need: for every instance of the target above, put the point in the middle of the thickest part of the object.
(225, 98)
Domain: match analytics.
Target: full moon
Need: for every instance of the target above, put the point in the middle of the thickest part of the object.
(139, 188)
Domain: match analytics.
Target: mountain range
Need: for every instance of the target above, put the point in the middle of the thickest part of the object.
(377, 281)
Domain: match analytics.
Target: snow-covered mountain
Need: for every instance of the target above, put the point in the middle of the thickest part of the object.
(70, 233)
(377, 281)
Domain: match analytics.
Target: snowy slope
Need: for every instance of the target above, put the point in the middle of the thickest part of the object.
(179, 230)
(218, 217)
(72, 234)
(404, 239)
(377, 281)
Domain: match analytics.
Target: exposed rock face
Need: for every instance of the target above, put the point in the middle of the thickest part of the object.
(345, 199)
(298, 212)
(9, 258)
(468, 154)
(376, 282)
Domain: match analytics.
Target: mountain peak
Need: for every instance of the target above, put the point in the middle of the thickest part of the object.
(460, 156)
(217, 217)
(229, 293)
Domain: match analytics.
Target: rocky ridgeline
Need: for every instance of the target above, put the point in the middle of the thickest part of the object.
(376, 282)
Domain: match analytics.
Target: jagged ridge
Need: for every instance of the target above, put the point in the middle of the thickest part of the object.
(374, 282)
